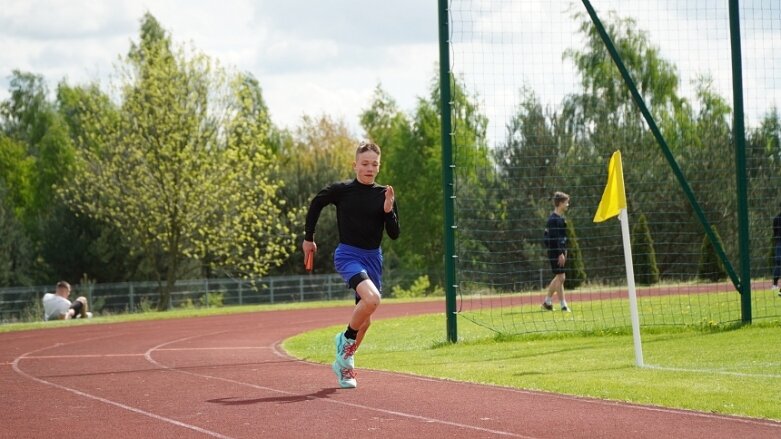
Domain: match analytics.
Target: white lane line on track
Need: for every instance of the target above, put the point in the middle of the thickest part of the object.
(273, 347)
(713, 371)
(17, 369)
(280, 353)
(78, 356)
(227, 348)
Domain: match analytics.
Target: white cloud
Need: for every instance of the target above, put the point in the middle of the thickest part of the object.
(315, 57)
(309, 56)
(45, 20)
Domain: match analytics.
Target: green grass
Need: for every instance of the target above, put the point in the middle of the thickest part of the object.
(730, 371)
(698, 310)
(172, 314)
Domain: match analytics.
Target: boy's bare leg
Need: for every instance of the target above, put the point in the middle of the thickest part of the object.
(362, 314)
(552, 288)
(362, 332)
(560, 286)
(370, 300)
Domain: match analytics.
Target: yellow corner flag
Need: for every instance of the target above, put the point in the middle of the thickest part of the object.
(614, 197)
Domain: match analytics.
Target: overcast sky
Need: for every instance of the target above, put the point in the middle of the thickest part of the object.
(311, 57)
(315, 56)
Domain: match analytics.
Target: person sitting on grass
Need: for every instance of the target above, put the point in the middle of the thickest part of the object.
(56, 306)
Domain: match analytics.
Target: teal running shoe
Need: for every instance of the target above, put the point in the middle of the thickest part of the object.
(345, 351)
(345, 376)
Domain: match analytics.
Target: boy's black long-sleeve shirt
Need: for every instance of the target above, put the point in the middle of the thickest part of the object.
(360, 213)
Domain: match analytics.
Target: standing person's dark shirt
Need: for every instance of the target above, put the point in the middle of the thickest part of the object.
(556, 228)
(360, 213)
(777, 229)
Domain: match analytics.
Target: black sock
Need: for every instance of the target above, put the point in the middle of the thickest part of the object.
(775, 281)
(350, 333)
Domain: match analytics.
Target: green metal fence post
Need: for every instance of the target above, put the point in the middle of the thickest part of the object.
(447, 172)
(739, 134)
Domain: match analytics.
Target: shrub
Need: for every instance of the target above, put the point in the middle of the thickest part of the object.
(643, 253)
(576, 269)
(213, 300)
(710, 268)
(421, 287)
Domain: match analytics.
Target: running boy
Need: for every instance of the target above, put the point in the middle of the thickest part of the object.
(364, 210)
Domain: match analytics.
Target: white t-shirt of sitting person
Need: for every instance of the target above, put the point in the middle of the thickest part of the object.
(55, 307)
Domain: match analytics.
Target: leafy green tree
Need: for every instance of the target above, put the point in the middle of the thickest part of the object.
(16, 169)
(15, 255)
(603, 118)
(320, 150)
(763, 157)
(388, 126)
(257, 226)
(417, 175)
(79, 245)
(40, 148)
(184, 170)
(526, 175)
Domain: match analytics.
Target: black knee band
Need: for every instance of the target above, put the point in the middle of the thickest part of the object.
(77, 306)
(358, 278)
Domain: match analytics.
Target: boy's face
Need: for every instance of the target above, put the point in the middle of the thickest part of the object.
(367, 166)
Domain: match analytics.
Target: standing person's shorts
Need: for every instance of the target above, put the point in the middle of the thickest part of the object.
(356, 264)
(553, 258)
(80, 307)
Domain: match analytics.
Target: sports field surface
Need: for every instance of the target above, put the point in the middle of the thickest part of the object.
(227, 377)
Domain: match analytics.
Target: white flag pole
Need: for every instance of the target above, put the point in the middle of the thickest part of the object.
(630, 282)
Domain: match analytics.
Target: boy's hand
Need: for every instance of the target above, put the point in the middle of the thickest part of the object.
(390, 197)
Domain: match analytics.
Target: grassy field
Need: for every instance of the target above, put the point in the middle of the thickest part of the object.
(734, 371)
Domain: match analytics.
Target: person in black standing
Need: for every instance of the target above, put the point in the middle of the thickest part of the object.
(556, 243)
(364, 210)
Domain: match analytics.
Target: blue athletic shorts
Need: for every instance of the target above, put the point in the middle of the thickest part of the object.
(349, 261)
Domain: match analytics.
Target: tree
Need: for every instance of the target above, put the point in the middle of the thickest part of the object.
(388, 126)
(256, 224)
(526, 175)
(576, 270)
(40, 153)
(184, 169)
(319, 151)
(78, 245)
(15, 257)
(417, 174)
(710, 267)
(603, 117)
(646, 270)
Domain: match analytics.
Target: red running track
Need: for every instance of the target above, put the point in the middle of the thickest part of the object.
(226, 377)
